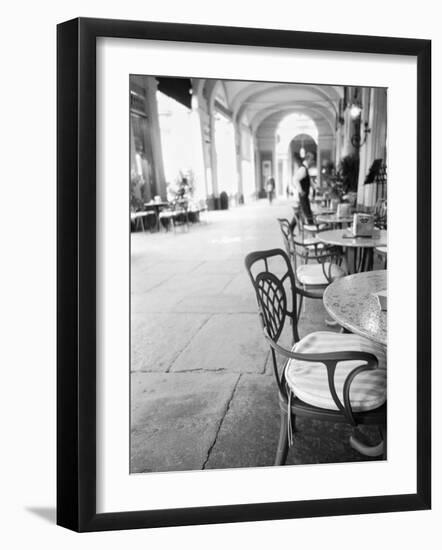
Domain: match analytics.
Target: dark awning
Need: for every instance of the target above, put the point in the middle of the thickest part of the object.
(176, 88)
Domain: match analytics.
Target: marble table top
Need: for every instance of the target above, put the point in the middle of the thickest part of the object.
(350, 301)
(336, 237)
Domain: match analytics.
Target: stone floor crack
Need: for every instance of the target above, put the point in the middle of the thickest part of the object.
(188, 343)
(229, 402)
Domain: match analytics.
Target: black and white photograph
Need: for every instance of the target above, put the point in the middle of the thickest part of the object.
(211, 215)
(258, 273)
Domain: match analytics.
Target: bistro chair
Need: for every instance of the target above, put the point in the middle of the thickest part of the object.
(326, 376)
(181, 213)
(305, 229)
(380, 214)
(324, 268)
(177, 214)
(167, 219)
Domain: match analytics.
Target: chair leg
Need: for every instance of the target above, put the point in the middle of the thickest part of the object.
(283, 443)
(383, 430)
(368, 450)
(301, 297)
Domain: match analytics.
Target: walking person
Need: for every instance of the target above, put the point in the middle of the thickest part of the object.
(301, 186)
(270, 188)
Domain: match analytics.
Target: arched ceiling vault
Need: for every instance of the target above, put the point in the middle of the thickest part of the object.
(259, 104)
(272, 117)
(259, 98)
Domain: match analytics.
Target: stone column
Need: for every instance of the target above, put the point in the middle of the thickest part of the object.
(326, 146)
(153, 135)
(375, 112)
(257, 170)
(365, 150)
(213, 158)
(318, 165)
(239, 157)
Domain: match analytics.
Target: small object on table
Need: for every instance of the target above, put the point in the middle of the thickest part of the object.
(381, 295)
(363, 225)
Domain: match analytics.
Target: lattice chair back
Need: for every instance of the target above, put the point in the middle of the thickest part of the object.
(275, 290)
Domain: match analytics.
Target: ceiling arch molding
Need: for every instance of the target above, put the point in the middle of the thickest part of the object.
(198, 86)
(250, 98)
(210, 91)
(320, 117)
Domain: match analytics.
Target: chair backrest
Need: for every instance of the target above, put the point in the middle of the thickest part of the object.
(300, 221)
(287, 236)
(294, 245)
(274, 302)
(380, 213)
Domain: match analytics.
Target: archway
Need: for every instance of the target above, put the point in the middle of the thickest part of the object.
(298, 133)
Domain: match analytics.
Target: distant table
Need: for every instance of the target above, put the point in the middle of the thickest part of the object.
(350, 301)
(366, 244)
(156, 206)
(138, 219)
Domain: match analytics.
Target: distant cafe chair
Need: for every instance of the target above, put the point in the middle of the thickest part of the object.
(305, 229)
(325, 376)
(380, 214)
(181, 213)
(315, 265)
(167, 218)
(177, 214)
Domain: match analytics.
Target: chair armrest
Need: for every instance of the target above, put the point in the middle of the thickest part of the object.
(308, 294)
(332, 356)
(330, 360)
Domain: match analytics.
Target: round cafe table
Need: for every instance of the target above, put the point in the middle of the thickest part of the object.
(340, 237)
(350, 301)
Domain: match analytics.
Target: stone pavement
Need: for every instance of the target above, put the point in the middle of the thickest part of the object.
(202, 390)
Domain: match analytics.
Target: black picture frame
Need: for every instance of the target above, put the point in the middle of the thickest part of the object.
(76, 273)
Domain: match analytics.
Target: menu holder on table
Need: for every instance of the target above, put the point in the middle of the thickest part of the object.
(363, 225)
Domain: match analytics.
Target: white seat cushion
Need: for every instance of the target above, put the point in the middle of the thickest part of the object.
(312, 243)
(381, 249)
(309, 382)
(313, 274)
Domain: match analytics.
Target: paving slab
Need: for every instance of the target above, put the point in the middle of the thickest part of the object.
(218, 303)
(146, 280)
(175, 418)
(240, 285)
(232, 343)
(159, 301)
(249, 432)
(158, 338)
(169, 266)
(217, 267)
(192, 285)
